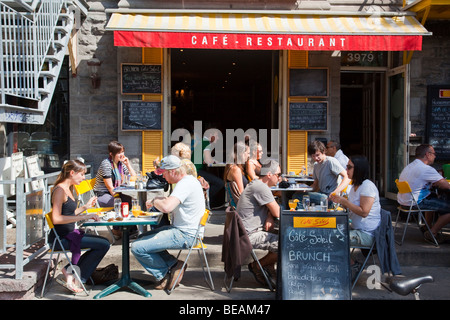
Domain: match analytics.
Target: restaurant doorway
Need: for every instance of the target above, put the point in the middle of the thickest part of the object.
(362, 97)
(225, 89)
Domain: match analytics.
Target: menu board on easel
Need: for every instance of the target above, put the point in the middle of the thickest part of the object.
(438, 120)
(141, 78)
(141, 115)
(314, 257)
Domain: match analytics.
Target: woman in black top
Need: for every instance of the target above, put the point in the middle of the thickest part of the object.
(64, 216)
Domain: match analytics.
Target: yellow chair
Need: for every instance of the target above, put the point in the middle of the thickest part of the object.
(404, 187)
(50, 227)
(86, 189)
(199, 246)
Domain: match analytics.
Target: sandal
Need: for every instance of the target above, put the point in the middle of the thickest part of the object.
(72, 288)
(428, 238)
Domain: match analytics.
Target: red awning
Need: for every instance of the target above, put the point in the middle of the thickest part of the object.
(265, 42)
(258, 31)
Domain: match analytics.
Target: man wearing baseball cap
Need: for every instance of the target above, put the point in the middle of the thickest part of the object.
(186, 205)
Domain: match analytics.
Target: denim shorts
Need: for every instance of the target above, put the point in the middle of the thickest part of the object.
(360, 238)
(441, 206)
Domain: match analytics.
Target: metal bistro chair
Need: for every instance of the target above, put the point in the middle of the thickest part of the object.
(403, 187)
(232, 215)
(50, 227)
(381, 232)
(86, 188)
(199, 246)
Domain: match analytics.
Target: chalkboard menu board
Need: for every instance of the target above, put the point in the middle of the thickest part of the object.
(308, 82)
(308, 116)
(141, 115)
(314, 257)
(141, 78)
(438, 120)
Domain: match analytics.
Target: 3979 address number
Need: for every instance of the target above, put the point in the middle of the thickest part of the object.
(360, 57)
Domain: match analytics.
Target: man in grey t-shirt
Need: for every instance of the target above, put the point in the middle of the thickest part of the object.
(326, 173)
(258, 209)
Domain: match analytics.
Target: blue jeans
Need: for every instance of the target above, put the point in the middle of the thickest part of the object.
(150, 249)
(314, 197)
(441, 206)
(89, 260)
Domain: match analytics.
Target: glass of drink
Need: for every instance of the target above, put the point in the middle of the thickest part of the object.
(117, 206)
(306, 202)
(293, 204)
(136, 208)
(335, 204)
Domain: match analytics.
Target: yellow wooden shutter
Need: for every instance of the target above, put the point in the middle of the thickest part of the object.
(297, 151)
(152, 141)
(151, 149)
(297, 144)
(298, 59)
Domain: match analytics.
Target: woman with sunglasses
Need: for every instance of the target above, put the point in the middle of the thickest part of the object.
(363, 202)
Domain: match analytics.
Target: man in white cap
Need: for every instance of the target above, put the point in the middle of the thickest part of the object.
(186, 204)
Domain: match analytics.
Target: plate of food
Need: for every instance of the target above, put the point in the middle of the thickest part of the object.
(145, 214)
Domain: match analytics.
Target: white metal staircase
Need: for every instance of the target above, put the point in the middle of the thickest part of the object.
(34, 37)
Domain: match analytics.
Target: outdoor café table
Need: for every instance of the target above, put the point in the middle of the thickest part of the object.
(287, 192)
(125, 225)
(140, 195)
(301, 179)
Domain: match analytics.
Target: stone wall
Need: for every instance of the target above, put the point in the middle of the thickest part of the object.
(431, 66)
(93, 112)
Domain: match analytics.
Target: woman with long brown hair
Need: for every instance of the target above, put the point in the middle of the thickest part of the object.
(64, 216)
(235, 176)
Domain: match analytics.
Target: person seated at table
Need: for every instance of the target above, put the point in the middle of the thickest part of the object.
(258, 210)
(253, 164)
(235, 177)
(182, 151)
(334, 150)
(363, 204)
(64, 216)
(186, 205)
(326, 173)
(421, 176)
(110, 175)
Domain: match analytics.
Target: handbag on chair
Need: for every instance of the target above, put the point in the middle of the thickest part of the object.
(156, 181)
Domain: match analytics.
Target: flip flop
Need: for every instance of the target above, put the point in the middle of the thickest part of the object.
(65, 285)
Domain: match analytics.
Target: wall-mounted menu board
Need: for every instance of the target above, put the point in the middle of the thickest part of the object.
(438, 120)
(141, 115)
(141, 78)
(308, 82)
(314, 257)
(308, 116)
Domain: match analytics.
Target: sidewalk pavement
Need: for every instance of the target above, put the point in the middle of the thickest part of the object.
(417, 258)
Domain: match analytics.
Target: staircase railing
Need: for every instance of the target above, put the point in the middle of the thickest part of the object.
(25, 40)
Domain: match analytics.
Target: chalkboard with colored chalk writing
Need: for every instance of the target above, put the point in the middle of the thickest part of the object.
(310, 116)
(314, 256)
(141, 78)
(141, 115)
(438, 120)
